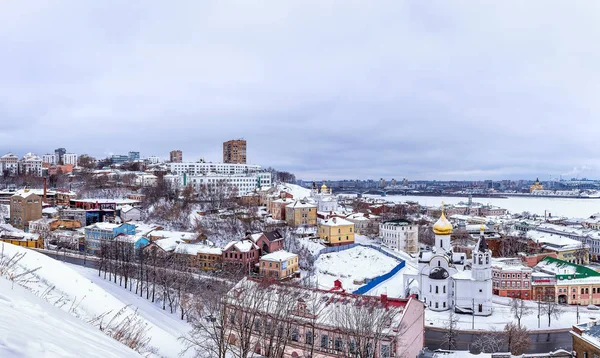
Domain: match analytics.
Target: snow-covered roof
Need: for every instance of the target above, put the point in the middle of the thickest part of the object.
(195, 249)
(278, 256)
(24, 193)
(103, 226)
(180, 235)
(241, 245)
(336, 222)
(168, 244)
(299, 204)
(127, 208)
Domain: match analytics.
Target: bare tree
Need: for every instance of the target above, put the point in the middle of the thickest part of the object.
(581, 254)
(210, 333)
(363, 324)
(517, 338)
(519, 309)
(552, 310)
(426, 235)
(489, 342)
(451, 326)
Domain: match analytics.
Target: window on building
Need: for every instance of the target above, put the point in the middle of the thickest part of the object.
(385, 350)
(444, 290)
(339, 344)
(309, 337)
(437, 305)
(437, 289)
(324, 341)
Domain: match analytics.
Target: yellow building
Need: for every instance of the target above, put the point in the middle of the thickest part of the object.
(279, 265)
(536, 186)
(301, 212)
(23, 239)
(336, 231)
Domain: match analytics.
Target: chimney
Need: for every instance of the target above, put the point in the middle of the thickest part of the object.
(45, 189)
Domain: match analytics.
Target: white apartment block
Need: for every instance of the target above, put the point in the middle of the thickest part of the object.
(243, 184)
(202, 168)
(70, 158)
(49, 158)
(400, 235)
(153, 159)
(31, 164)
(10, 163)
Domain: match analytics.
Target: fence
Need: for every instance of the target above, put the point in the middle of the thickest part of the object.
(375, 281)
(379, 279)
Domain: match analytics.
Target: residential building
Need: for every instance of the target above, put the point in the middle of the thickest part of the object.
(133, 156)
(239, 185)
(586, 339)
(98, 233)
(130, 213)
(200, 256)
(176, 156)
(25, 206)
(119, 159)
(365, 223)
(301, 212)
(153, 159)
(400, 235)
(49, 159)
(71, 158)
(243, 254)
(234, 151)
(20, 238)
(31, 164)
(277, 208)
(565, 248)
(59, 155)
(278, 265)
(267, 242)
(203, 168)
(443, 286)
(45, 225)
(313, 326)
(9, 164)
(336, 231)
(60, 169)
(510, 278)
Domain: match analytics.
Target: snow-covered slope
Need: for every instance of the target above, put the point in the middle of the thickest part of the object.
(356, 263)
(31, 327)
(296, 190)
(59, 284)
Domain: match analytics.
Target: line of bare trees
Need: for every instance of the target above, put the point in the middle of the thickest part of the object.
(257, 318)
(152, 273)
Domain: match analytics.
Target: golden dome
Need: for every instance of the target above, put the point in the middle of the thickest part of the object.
(323, 187)
(482, 228)
(442, 226)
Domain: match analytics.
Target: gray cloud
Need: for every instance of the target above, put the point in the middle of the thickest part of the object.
(444, 90)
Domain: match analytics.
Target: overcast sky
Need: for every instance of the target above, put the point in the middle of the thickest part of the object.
(327, 90)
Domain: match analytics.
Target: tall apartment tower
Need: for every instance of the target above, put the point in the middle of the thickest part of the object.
(60, 152)
(234, 151)
(176, 156)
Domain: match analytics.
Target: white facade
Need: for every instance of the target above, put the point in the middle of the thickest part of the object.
(153, 159)
(443, 286)
(325, 200)
(129, 213)
(243, 184)
(31, 164)
(10, 163)
(201, 168)
(70, 158)
(49, 158)
(400, 235)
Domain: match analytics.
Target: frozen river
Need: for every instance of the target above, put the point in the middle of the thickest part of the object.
(573, 208)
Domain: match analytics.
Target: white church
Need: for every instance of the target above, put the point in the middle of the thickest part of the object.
(444, 285)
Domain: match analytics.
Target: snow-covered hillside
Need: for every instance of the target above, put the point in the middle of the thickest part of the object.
(356, 263)
(65, 288)
(31, 327)
(296, 190)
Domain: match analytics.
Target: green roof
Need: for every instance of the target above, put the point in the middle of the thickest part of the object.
(580, 271)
